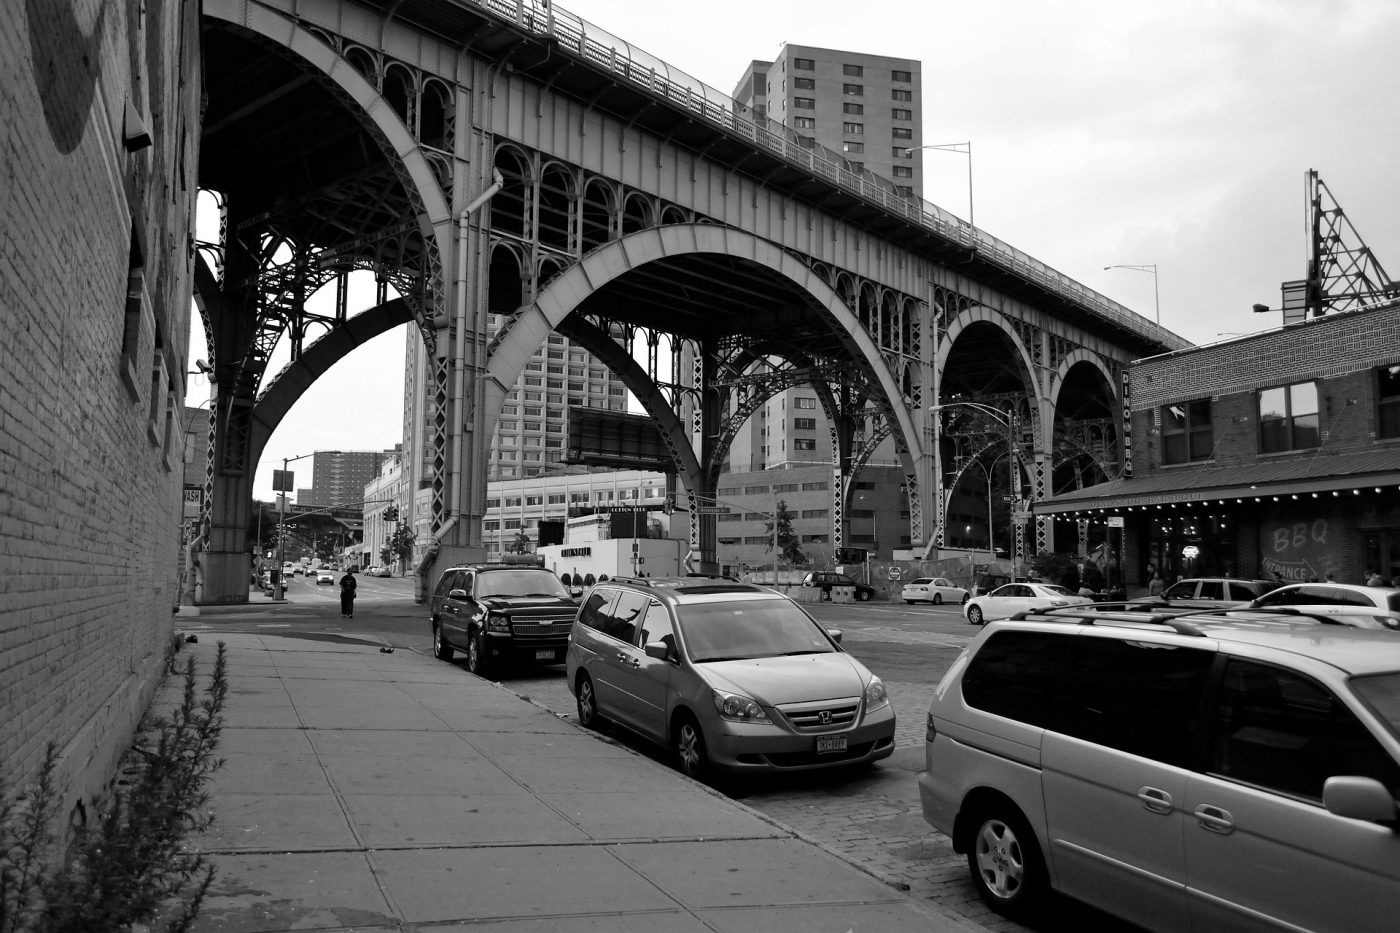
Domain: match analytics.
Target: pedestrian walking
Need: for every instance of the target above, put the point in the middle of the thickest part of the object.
(1156, 587)
(347, 595)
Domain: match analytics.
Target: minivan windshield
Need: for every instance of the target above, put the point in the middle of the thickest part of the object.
(1381, 693)
(750, 628)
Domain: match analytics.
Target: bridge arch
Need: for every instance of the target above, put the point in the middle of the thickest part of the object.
(534, 321)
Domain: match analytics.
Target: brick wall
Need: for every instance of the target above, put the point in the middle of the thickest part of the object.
(91, 371)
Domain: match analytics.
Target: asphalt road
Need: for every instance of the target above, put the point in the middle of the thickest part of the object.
(869, 816)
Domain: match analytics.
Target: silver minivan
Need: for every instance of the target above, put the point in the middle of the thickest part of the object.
(1185, 771)
(731, 677)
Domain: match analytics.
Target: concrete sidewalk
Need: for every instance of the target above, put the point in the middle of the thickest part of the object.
(372, 792)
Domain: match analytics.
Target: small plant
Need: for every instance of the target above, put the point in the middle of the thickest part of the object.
(134, 863)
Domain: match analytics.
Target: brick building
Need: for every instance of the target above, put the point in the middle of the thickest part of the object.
(1275, 455)
(101, 105)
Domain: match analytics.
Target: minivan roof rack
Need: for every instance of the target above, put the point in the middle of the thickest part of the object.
(1085, 616)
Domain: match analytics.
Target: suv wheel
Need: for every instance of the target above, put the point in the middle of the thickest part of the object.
(588, 715)
(441, 649)
(863, 596)
(691, 757)
(476, 655)
(974, 615)
(1005, 861)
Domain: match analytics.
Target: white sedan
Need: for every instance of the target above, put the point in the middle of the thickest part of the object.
(1007, 600)
(934, 590)
(325, 575)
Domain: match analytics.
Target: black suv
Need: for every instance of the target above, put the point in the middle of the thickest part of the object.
(826, 579)
(500, 612)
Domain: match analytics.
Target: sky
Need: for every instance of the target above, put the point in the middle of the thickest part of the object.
(1104, 132)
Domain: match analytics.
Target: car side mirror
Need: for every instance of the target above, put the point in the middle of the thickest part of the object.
(1358, 798)
(658, 649)
(457, 594)
(835, 634)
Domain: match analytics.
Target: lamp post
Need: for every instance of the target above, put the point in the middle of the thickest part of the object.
(873, 542)
(1156, 298)
(280, 590)
(962, 149)
(1007, 419)
(988, 470)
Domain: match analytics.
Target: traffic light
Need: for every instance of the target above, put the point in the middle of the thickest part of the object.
(391, 513)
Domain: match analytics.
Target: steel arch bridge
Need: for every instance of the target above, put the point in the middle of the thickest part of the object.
(501, 157)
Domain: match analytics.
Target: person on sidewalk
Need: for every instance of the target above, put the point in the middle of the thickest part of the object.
(347, 594)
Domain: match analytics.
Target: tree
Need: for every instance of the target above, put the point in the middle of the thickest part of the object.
(789, 544)
(401, 543)
(521, 544)
(1057, 568)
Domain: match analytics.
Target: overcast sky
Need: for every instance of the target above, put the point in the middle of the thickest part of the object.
(1104, 132)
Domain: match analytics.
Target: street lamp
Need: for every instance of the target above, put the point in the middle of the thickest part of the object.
(1156, 298)
(873, 540)
(280, 590)
(962, 149)
(1006, 419)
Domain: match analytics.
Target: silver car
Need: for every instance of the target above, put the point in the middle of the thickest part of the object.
(731, 677)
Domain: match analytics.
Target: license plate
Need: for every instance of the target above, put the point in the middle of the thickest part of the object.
(830, 743)
(544, 655)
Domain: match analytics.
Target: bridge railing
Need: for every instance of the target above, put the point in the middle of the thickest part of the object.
(621, 58)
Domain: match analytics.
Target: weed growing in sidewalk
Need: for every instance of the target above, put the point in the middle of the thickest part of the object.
(133, 863)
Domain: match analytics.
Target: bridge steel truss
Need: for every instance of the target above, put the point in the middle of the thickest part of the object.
(486, 158)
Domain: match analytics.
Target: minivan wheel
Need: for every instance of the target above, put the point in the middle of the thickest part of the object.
(588, 715)
(691, 757)
(974, 615)
(1005, 862)
(441, 649)
(476, 655)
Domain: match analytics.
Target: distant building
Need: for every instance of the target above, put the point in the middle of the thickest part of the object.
(866, 107)
(338, 477)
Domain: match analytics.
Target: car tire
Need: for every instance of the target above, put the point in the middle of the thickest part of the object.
(441, 649)
(863, 596)
(974, 615)
(692, 758)
(1004, 859)
(476, 655)
(938, 599)
(587, 701)
(910, 602)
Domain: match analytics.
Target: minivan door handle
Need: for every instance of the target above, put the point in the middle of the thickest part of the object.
(629, 659)
(1215, 819)
(1158, 801)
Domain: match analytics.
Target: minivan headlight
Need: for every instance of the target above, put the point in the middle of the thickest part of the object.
(875, 695)
(736, 707)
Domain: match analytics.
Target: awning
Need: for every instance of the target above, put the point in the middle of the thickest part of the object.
(1186, 484)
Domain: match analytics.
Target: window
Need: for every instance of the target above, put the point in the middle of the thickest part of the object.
(1288, 418)
(902, 132)
(853, 147)
(804, 443)
(904, 76)
(856, 109)
(1388, 401)
(803, 103)
(804, 123)
(897, 94)
(853, 129)
(854, 71)
(853, 90)
(1279, 730)
(906, 191)
(804, 424)
(818, 486)
(856, 167)
(657, 626)
(902, 152)
(804, 84)
(804, 403)
(803, 64)
(1186, 432)
(903, 171)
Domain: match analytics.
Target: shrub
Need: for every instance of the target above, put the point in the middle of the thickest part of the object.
(133, 863)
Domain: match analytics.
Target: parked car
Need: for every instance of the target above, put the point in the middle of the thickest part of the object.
(731, 677)
(288, 571)
(1209, 593)
(500, 612)
(1203, 773)
(1385, 599)
(325, 575)
(1005, 601)
(826, 579)
(934, 590)
(380, 572)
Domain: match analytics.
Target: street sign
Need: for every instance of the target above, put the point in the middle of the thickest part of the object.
(1115, 521)
(712, 510)
(1019, 519)
(1022, 517)
(1008, 498)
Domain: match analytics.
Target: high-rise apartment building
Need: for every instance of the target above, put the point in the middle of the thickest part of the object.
(338, 477)
(865, 107)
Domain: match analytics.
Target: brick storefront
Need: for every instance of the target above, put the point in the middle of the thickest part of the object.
(101, 104)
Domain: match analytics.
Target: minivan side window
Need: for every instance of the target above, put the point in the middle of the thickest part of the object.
(658, 627)
(1284, 732)
(593, 612)
(626, 615)
(1143, 698)
(1017, 675)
